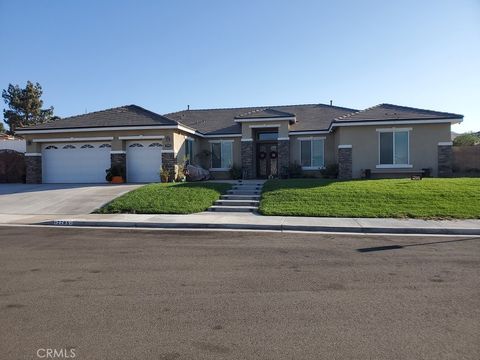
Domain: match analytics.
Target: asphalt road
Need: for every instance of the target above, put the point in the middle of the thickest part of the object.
(125, 294)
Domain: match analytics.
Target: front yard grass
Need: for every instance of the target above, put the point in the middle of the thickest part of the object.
(170, 198)
(399, 198)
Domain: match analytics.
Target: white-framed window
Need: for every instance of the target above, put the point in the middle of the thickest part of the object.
(394, 148)
(189, 150)
(312, 153)
(222, 154)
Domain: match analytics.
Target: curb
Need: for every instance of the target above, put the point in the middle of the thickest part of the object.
(273, 227)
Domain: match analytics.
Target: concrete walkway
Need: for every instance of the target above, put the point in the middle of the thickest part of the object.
(249, 221)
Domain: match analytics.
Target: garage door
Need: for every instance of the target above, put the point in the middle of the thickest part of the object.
(75, 162)
(144, 160)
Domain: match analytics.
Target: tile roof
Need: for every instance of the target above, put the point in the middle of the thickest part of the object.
(221, 121)
(384, 112)
(264, 113)
(129, 115)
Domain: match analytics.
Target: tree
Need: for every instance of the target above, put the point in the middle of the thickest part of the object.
(25, 106)
(467, 139)
(2, 128)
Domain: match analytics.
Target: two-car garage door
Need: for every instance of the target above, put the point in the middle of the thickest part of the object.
(75, 162)
(86, 162)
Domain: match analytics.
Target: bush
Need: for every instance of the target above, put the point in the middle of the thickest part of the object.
(236, 172)
(115, 170)
(468, 139)
(295, 170)
(330, 171)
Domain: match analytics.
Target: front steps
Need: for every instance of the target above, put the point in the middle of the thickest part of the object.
(243, 197)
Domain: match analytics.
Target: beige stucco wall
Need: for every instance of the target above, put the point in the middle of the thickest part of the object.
(281, 125)
(424, 141)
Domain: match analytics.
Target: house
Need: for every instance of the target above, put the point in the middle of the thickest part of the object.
(384, 140)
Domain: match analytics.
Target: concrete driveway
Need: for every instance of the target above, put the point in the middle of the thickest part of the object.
(66, 199)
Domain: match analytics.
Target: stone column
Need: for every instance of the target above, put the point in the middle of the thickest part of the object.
(344, 162)
(445, 159)
(33, 168)
(283, 157)
(168, 162)
(119, 159)
(247, 159)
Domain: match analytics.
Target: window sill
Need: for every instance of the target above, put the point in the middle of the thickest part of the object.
(394, 166)
(313, 167)
(219, 169)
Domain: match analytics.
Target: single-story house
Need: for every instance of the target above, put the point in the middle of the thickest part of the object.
(262, 142)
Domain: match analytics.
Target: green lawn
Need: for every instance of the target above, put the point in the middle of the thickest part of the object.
(427, 198)
(171, 198)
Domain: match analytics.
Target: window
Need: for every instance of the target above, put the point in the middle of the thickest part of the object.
(87, 146)
(189, 150)
(267, 136)
(222, 154)
(312, 153)
(51, 147)
(135, 145)
(393, 148)
(105, 146)
(155, 144)
(69, 147)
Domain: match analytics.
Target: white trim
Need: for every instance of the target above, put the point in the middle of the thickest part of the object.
(445, 143)
(290, 118)
(393, 129)
(141, 137)
(310, 168)
(189, 138)
(394, 166)
(118, 152)
(33, 154)
(219, 169)
(313, 132)
(189, 130)
(168, 151)
(246, 139)
(222, 136)
(311, 138)
(219, 141)
(397, 122)
(73, 139)
(264, 126)
(283, 138)
(344, 146)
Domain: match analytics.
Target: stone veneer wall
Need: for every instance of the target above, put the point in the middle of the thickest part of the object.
(33, 169)
(283, 157)
(344, 163)
(247, 159)
(445, 160)
(169, 161)
(119, 159)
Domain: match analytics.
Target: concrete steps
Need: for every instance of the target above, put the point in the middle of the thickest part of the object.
(243, 197)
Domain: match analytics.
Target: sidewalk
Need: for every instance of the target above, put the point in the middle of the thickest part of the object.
(248, 221)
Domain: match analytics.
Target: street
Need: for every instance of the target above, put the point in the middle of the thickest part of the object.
(138, 294)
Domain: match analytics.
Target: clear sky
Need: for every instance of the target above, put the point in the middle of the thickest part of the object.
(163, 55)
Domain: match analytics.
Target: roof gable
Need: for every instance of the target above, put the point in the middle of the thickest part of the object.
(264, 113)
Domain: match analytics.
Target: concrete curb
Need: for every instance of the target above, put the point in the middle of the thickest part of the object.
(273, 227)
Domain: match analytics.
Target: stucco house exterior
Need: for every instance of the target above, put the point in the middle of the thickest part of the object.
(384, 140)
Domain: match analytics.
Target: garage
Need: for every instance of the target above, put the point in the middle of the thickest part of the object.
(144, 161)
(75, 162)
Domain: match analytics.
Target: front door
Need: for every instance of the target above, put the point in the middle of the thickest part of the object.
(267, 160)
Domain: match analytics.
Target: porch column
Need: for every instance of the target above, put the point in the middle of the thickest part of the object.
(33, 168)
(169, 161)
(445, 159)
(283, 156)
(247, 159)
(344, 162)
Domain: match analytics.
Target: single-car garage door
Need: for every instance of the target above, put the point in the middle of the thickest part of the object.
(75, 162)
(144, 160)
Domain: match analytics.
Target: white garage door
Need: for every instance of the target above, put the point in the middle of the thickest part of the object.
(144, 160)
(75, 162)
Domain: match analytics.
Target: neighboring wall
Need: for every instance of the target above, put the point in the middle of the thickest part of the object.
(466, 158)
(424, 141)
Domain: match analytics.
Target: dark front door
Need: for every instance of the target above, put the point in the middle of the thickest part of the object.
(267, 160)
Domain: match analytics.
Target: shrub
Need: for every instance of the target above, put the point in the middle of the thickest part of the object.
(330, 171)
(115, 170)
(236, 172)
(295, 170)
(468, 139)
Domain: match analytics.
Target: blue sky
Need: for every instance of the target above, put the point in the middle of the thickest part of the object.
(163, 55)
